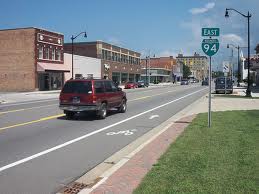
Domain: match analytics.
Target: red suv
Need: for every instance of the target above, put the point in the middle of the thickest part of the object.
(91, 95)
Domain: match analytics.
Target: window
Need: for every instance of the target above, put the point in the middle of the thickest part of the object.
(109, 86)
(58, 55)
(53, 54)
(78, 87)
(98, 87)
(47, 53)
(40, 52)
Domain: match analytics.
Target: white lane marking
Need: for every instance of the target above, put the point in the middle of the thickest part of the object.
(153, 116)
(90, 134)
(126, 132)
(36, 101)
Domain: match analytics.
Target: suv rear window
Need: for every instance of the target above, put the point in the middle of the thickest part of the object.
(77, 87)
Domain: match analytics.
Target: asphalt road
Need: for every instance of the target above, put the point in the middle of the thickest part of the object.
(41, 151)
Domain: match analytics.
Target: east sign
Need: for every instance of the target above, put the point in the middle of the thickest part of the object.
(210, 32)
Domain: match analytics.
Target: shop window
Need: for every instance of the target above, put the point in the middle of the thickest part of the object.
(47, 53)
(58, 57)
(40, 52)
(53, 54)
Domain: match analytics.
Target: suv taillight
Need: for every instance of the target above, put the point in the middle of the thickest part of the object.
(94, 99)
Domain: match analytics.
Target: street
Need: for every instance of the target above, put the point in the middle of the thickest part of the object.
(41, 151)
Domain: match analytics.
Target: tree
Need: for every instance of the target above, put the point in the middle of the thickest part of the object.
(186, 71)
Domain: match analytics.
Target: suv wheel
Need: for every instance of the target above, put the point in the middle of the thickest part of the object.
(69, 114)
(103, 111)
(123, 106)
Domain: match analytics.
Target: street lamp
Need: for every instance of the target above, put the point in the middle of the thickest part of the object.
(73, 38)
(238, 62)
(248, 16)
(146, 70)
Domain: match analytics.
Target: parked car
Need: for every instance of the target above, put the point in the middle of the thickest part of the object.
(184, 82)
(222, 84)
(141, 84)
(130, 85)
(91, 95)
(205, 83)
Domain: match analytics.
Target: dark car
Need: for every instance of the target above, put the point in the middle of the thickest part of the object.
(184, 82)
(205, 83)
(142, 84)
(222, 84)
(91, 95)
(130, 85)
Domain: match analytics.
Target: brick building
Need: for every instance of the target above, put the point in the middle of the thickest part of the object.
(119, 64)
(198, 65)
(31, 59)
(159, 69)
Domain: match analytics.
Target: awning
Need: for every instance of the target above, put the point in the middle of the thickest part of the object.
(44, 67)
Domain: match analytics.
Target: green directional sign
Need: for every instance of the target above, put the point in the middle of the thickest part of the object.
(210, 46)
(210, 32)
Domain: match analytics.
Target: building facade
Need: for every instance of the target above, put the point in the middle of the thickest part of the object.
(83, 66)
(198, 65)
(31, 59)
(158, 69)
(118, 64)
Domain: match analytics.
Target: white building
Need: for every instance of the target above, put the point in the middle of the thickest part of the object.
(83, 66)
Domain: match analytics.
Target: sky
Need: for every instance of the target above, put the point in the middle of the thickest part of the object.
(154, 27)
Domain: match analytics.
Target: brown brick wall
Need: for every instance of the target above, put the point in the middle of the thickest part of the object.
(17, 60)
(88, 50)
(163, 62)
(121, 67)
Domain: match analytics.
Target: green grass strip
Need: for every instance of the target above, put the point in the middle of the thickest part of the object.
(220, 159)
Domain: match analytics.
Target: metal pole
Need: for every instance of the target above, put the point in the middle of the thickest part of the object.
(72, 38)
(146, 71)
(209, 113)
(238, 67)
(248, 91)
(148, 67)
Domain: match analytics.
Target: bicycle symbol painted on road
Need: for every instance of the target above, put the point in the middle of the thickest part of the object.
(126, 132)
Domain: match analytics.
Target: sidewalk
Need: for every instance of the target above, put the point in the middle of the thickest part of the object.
(126, 174)
(13, 97)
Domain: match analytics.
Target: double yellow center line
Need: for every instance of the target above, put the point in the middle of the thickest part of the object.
(59, 115)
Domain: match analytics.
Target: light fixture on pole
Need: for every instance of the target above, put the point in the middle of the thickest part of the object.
(73, 38)
(248, 16)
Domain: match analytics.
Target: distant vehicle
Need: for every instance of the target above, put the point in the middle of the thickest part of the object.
(141, 84)
(220, 85)
(205, 83)
(91, 95)
(184, 82)
(130, 85)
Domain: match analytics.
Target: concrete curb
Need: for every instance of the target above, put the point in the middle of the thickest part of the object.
(104, 170)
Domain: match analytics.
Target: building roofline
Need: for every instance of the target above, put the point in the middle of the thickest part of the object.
(99, 41)
(25, 28)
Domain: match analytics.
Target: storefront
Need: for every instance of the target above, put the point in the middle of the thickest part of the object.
(51, 76)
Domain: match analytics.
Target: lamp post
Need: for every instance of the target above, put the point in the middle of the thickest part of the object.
(238, 62)
(248, 16)
(146, 70)
(73, 38)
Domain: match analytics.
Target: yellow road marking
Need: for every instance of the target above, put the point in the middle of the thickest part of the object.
(30, 122)
(22, 109)
(60, 115)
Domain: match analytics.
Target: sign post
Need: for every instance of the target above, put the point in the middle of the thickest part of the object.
(210, 47)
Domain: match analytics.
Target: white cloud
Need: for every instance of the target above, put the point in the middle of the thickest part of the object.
(232, 39)
(204, 9)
